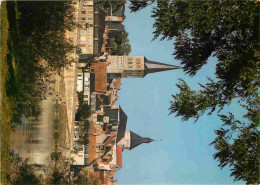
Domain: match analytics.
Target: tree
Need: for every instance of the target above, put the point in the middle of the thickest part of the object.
(237, 144)
(83, 111)
(21, 172)
(138, 5)
(134, 4)
(120, 43)
(82, 115)
(115, 5)
(38, 46)
(58, 170)
(85, 179)
(228, 31)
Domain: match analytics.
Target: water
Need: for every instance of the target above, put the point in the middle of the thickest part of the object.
(33, 139)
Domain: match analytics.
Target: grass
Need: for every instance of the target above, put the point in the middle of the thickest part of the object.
(9, 86)
(20, 71)
(6, 105)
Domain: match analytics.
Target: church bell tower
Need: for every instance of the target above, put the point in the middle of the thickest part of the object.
(134, 66)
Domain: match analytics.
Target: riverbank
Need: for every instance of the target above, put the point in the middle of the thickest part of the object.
(26, 73)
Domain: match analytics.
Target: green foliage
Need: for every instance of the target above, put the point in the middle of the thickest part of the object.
(237, 144)
(83, 135)
(134, 5)
(191, 104)
(120, 43)
(83, 111)
(85, 179)
(37, 45)
(229, 31)
(22, 172)
(58, 170)
(138, 5)
(110, 3)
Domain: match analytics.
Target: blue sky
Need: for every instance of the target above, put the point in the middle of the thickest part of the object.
(184, 155)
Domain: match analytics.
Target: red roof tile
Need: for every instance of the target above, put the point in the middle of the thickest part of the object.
(118, 83)
(119, 155)
(100, 71)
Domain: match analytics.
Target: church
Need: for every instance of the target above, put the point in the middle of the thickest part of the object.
(134, 66)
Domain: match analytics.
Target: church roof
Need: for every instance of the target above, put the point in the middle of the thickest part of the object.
(153, 67)
(122, 125)
(119, 155)
(136, 140)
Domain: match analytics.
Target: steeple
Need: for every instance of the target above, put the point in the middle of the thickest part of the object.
(153, 67)
(136, 140)
(132, 140)
(134, 66)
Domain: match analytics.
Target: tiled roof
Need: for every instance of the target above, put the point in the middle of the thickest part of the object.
(122, 125)
(115, 26)
(119, 155)
(113, 135)
(92, 144)
(118, 83)
(100, 71)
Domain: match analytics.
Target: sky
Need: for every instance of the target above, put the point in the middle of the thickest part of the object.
(184, 154)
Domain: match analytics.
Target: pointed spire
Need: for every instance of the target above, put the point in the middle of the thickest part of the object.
(153, 67)
(136, 140)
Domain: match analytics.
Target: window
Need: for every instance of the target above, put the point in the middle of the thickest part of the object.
(83, 31)
(90, 12)
(90, 18)
(139, 72)
(131, 72)
(85, 161)
(86, 149)
(82, 38)
(83, 18)
(91, 25)
(85, 96)
(138, 61)
(83, 12)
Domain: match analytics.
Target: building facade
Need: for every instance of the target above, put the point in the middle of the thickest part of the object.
(86, 20)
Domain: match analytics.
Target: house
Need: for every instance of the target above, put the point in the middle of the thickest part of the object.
(80, 81)
(86, 20)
